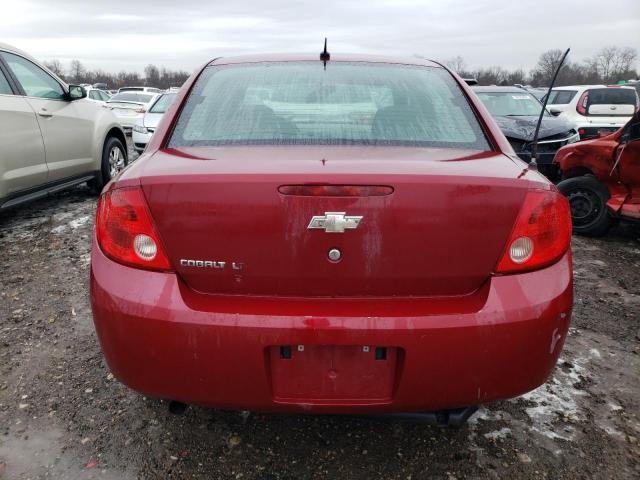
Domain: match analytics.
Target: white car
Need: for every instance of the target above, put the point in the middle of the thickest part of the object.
(129, 107)
(140, 89)
(96, 95)
(50, 139)
(594, 109)
(144, 127)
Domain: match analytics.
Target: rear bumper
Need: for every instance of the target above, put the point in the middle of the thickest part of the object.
(163, 340)
(592, 130)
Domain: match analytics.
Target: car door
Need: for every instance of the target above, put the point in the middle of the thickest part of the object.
(67, 126)
(22, 158)
(629, 156)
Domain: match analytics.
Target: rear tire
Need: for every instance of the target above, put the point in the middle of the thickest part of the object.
(588, 201)
(114, 159)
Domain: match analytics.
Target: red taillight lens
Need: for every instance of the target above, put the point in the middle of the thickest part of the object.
(581, 107)
(541, 235)
(125, 230)
(140, 110)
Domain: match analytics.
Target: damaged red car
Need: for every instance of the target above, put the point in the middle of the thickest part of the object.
(352, 235)
(602, 179)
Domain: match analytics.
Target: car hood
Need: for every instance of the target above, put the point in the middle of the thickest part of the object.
(151, 120)
(523, 128)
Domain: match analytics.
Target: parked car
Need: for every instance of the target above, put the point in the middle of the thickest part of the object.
(129, 107)
(539, 93)
(48, 139)
(145, 126)
(602, 179)
(516, 112)
(97, 95)
(360, 239)
(596, 109)
(100, 86)
(140, 89)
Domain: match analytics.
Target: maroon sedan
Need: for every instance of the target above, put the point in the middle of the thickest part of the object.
(359, 238)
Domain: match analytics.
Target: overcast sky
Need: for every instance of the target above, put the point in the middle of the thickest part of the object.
(129, 34)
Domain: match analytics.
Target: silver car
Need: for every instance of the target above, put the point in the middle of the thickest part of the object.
(51, 136)
(145, 126)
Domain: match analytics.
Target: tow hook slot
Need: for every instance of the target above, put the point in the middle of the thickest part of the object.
(381, 353)
(285, 352)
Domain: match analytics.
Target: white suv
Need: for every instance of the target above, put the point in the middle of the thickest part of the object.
(50, 138)
(594, 109)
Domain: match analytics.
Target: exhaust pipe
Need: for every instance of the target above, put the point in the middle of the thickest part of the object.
(177, 408)
(452, 418)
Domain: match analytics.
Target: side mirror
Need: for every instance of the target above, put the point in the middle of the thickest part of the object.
(555, 112)
(76, 92)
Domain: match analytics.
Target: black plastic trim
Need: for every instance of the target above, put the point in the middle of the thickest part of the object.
(43, 190)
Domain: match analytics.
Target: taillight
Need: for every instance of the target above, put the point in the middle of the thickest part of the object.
(125, 230)
(581, 107)
(140, 110)
(541, 235)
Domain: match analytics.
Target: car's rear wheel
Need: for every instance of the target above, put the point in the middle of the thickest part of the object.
(588, 201)
(114, 159)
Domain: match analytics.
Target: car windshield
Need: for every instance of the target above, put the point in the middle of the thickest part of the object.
(131, 97)
(348, 103)
(510, 104)
(163, 103)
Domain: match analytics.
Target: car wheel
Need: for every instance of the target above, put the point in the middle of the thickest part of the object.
(588, 201)
(114, 159)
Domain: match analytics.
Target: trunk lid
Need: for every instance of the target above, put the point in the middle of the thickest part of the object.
(228, 228)
(124, 108)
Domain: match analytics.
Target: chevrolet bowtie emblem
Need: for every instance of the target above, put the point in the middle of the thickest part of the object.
(335, 222)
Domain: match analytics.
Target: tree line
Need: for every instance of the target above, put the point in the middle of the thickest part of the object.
(153, 76)
(608, 66)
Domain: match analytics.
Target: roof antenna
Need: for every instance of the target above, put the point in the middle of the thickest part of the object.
(324, 55)
(533, 164)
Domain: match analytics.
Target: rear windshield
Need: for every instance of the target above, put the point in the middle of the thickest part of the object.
(131, 97)
(348, 103)
(163, 103)
(612, 96)
(561, 97)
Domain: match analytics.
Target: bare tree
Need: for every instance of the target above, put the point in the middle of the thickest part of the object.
(76, 71)
(613, 63)
(152, 75)
(547, 64)
(55, 66)
(457, 64)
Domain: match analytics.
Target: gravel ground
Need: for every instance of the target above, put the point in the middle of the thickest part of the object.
(62, 415)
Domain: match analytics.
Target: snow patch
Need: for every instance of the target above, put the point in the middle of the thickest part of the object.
(502, 433)
(595, 353)
(557, 399)
(73, 224)
(78, 222)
